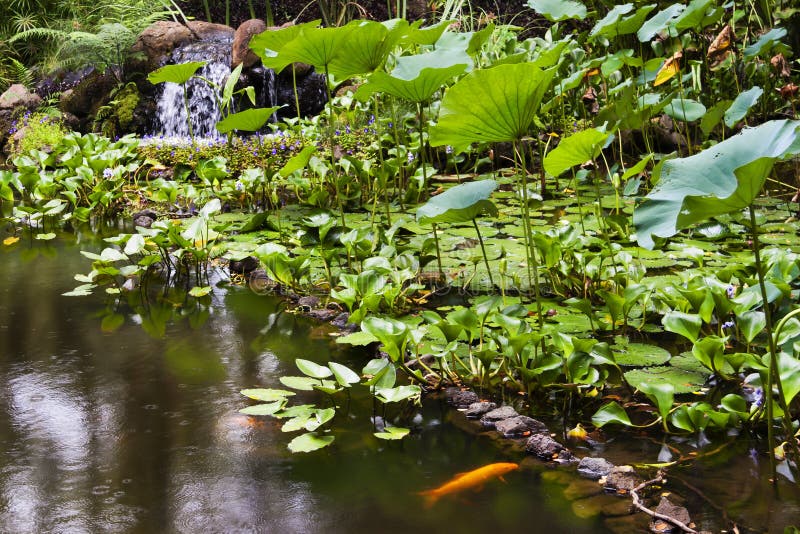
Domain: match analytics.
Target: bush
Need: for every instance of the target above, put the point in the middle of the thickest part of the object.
(38, 130)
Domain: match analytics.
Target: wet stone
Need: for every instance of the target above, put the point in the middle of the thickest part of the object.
(622, 479)
(667, 508)
(459, 398)
(477, 409)
(243, 266)
(308, 302)
(594, 468)
(545, 447)
(340, 322)
(491, 418)
(519, 426)
(323, 314)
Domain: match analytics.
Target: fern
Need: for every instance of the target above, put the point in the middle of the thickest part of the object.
(20, 73)
(38, 33)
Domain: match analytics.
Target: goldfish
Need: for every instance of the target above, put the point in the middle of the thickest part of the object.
(472, 479)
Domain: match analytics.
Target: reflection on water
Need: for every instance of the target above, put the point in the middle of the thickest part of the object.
(128, 432)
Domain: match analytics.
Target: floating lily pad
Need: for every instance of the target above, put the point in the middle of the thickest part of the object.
(309, 442)
(683, 381)
(640, 354)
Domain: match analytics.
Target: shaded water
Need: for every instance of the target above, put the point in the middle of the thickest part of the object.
(125, 432)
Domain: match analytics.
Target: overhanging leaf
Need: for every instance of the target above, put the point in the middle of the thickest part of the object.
(724, 178)
(508, 98)
(460, 203)
(575, 150)
(180, 73)
(249, 120)
(268, 44)
(556, 10)
(610, 413)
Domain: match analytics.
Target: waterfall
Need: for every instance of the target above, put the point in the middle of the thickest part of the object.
(271, 93)
(203, 107)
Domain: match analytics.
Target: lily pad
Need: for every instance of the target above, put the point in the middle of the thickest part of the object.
(681, 380)
(309, 442)
(640, 354)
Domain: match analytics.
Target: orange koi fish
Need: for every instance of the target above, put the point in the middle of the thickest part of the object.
(472, 479)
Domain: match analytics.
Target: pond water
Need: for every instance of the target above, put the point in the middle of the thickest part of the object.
(124, 431)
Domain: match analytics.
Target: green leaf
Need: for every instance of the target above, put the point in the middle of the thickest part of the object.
(45, 237)
(610, 413)
(765, 42)
(509, 97)
(344, 375)
(180, 73)
(298, 161)
(640, 354)
(661, 393)
(741, 105)
(266, 394)
(789, 371)
(556, 10)
(390, 332)
(198, 291)
(379, 373)
(659, 22)
(686, 324)
(309, 442)
(264, 409)
(365, 50)
(305, 383)
(316, 46)
(574, 150)
(392, 433)
(685, 109)
(460, 203)
(249, 120)
(723, 178)
(359, 339)
(682, 381)
(312, 369)
(751, 323)
(609, 22)
(397, 394)
(268, 44)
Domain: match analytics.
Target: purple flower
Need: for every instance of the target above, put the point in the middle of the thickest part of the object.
(108, 173)
(347, 129)
(338, 132)
(274, 152)
(371, 119)
(759, 397)
(728, 324)
(731, 291)
(391, 125)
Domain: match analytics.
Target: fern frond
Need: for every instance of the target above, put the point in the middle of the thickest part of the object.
(38, 33)
(20, 73)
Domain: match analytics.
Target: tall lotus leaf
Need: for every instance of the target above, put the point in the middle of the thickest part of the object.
(416, 78)
(556, 10)
(268, 44)
(610, 19)
(575, 150)
(316, 46)
(461, 203)
(720, 179)
(427, 35)
(365, 50)
(765, 42)
(659, 22)
(742, 105)
(685, 109)
(180, 73)
(692, 17)
(249, 120)
(627, 25)
(496, 104)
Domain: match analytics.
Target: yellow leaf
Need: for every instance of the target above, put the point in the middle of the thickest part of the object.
(10, 240)
(670, 68)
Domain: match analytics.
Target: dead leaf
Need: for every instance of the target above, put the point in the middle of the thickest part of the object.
(781, 66)
(670, 68)
(788, 91)
(721, 43)
(590, 101)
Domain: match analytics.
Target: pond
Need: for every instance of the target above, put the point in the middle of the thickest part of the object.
(123, 431)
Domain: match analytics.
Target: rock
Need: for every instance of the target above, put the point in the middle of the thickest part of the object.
(160, 39)
(311, 93)
(667, 508)
(209, 31)
(87, 97)
(594, 468)
(341, 322)
(144, 218)
(545, 447)
(241, 53)
(459, 398)
(323, 314)
(519, 426)
(498, 414)
(477, 409)
(309, 301)
(261, 283)
(427, 359)
(621, 479)
(244, 266)
(18, 96)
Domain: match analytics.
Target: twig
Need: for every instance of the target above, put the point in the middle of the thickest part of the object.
(637, 503)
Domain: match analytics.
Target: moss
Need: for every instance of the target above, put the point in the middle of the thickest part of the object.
(39, 131)
(127, 100)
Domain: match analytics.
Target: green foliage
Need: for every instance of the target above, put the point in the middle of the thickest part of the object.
(39, 131)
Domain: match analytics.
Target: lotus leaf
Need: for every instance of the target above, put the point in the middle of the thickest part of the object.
(268, 44)
(250, 120)
(556, 10)
(492, 105)
(309, 442)
(575, 150)
(724, 178)
(180, 73)
(659, 22)
(460, 203)
(741, 105)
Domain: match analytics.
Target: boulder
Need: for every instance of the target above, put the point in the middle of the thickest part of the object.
(160, 39)
(243, 266)
(241, 43)
(477, 409)
(18, 96)
(545, 447)
(674, 511)
(594, 468)
(87, 97)
(459, 398)
(519, 426)
(491, 418)
(621, 480)
(209, 31)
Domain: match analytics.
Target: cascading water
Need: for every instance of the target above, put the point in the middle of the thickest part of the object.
(202, 96)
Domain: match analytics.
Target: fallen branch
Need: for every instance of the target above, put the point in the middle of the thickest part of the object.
(637, 503)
